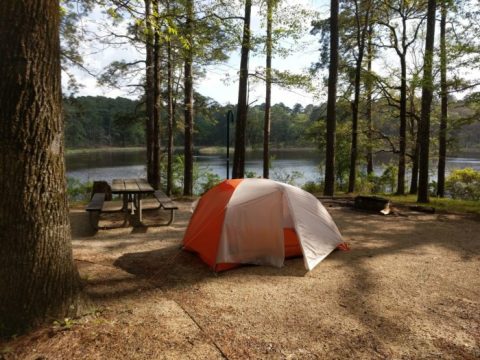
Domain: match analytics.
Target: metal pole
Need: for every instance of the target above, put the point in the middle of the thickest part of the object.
(229, 119)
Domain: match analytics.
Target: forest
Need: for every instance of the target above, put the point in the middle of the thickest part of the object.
(92, 122)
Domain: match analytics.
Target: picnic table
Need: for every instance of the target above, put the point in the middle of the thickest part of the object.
(132, 192)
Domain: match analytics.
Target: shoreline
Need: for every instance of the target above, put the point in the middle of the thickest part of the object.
(220, 150)
(202, 150)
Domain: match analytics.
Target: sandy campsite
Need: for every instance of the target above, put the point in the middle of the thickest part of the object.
(409, 288)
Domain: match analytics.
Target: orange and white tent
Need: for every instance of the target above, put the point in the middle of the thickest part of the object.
(260, 221)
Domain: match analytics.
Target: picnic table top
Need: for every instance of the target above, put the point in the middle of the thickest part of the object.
(137, 186)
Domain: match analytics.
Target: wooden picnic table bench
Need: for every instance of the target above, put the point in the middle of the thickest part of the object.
(94, 209)
(167, 204)
(96, 206)
(133, 192)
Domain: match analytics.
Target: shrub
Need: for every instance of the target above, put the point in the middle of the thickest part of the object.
(78, 191)
(388, 180)
(251, 174)
(210, 180)
(464, 184)
(287, 177)
(313, 187)
(368, 184)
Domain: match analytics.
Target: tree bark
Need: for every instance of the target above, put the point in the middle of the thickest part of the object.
(170, 115)
(38, 279)
(149, 89)
(427, 94)
(156, 102)
(329, 188)
(403, 126)
(416, 153)
(369, 102)
(442, 141)
(238, 170)
(268, 93)
(188, 105)
(416, 147)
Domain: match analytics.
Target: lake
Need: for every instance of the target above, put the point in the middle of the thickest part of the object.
(108, 165)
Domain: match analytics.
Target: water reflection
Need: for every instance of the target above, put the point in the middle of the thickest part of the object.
(108, 165)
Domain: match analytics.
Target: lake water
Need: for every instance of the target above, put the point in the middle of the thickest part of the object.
(108, 165)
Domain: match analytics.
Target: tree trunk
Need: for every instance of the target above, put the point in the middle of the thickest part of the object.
(369, 102)
(416, 153)
(361, 33)
(170, 114)
(442, 141)
(242, 105)
(331, 102)
(188, 105)
(38, 279)
(149, 88)
(268, 93)
(416, 147)
(427, 94)
(403, 126)
(157, 101)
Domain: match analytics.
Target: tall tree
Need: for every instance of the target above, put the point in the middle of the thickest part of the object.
(427, 95)
(149, 88)
(396, 17)
(331, 102)
(362, 20)
(157, 99)
(442, 136)
(188, 102)
(238, 170)
(268, 91)
(414, 121)
(170, 111)
(38, 280)
(369, 90)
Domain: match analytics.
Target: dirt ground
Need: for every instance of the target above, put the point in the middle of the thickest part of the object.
(408, 289)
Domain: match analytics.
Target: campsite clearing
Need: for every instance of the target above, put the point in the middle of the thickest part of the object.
(409, 288)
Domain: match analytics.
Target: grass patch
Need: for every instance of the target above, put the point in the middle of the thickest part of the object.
(214, 150)
(441, 204)
(103, 149)
(221, 150)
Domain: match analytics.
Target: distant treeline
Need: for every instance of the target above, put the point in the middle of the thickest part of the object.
(93, 121)
(101, 121)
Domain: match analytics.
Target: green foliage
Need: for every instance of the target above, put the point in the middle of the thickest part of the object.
(442, 204)
(464, 184)
(65, 324)
(178, 166)
(100, 121)
(374, 184)
(209, 180)
(287, 177)
(251, 174)
(313, 187)
(201, 182)
(368, 184)
(78, 191)
(388, 180)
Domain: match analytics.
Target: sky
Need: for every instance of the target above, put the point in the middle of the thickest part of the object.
(214, 85)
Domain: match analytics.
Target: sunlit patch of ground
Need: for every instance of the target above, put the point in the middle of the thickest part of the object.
(409, 288)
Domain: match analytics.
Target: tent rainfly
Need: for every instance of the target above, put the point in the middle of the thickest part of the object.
(260, 221)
